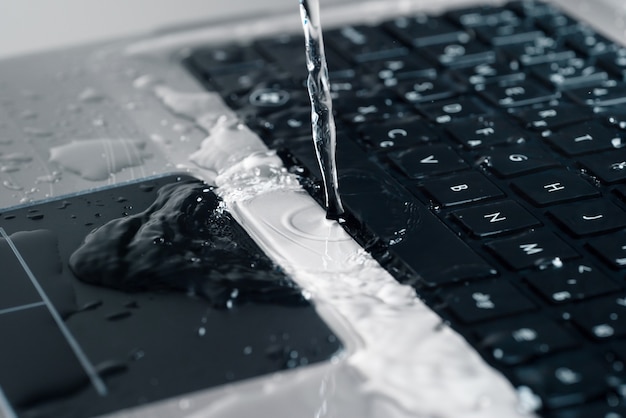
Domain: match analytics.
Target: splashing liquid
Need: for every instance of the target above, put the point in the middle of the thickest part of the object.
(322, 121)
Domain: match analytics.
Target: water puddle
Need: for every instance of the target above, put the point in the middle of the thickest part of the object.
(98, 159)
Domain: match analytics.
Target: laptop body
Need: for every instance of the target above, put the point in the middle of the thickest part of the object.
(169, 110)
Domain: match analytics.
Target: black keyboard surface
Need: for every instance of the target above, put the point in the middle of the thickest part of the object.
(481, 159)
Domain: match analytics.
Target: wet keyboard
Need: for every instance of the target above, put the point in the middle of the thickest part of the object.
(481, 160)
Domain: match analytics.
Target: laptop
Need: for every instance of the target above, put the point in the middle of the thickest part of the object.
(165, 246)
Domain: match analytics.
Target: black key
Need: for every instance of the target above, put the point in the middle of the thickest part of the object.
(533, 9)
(364, 43)
(272, 96)
(589, 217)
(424, 161)
(531, 249)
(611, 249)
(552, 117)
(557, 24)
(520, 93)
(567, 379)
(486, 300)
(554, 186)
(398, 134)
(421, 30)
(446, 111)
(482, 16)
(32, 343)
(287, 123)
(587, 137)
(518, 340)
(571, 282)
(495, 218)
(570, 73)
(497, 71)
(610, 167)
(540, 50)
(226, 59)
(589, 42)
(287, 52)
(409, 67)
(461, 188)
(457, 54)
(615, 62)
(508, 33)
(367, 109)
(609, 93)
(602, 318)
(426, 89)
(484, 131)
(516, 160)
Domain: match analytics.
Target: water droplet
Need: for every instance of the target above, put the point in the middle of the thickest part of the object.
(117, 316)
(99, 122)
(28, 114)
(90, 95)
(201, 331)
(247, 350)
(144, 81)
(35, 216)
(11, 185)
(53, 177)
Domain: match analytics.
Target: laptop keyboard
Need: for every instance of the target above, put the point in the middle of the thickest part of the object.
(481, 160)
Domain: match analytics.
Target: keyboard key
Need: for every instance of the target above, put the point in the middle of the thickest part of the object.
(287, 52)
(472, 17)
(570, 73)
(572, 282)
(427, 90)
(484, 131)
(611, 249)
(587, 137)
(567, 379)
(226, 59)
(554, 186)
(540, 50)
(398, 134)
(610, 167)
(486, 300)
(409, 67)
(533, 9)
(552, 117)
(519, 93)
(590, 43)
(601, 318)
(495, 218)
(531, 249)
(424, 161)
(364, 43)
(609, 93)
(497, 71)
(422, 30)
(461, 188)
(456, 54)
(516, 160)
(518, 340)
(615, 62)
(446, 111)
(508, 33)
(589, 217)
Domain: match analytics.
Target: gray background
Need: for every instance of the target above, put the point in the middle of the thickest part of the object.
(33, 25)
